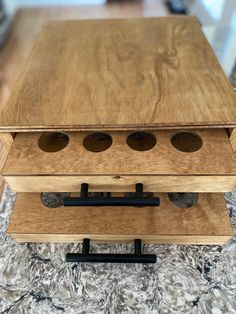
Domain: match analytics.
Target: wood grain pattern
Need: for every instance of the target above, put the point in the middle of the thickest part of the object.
(233, 139)
(168, 183)
(28, 22)
(207, 222)
(6, 140)
(2, 186)
(130, 73)
(215, 157)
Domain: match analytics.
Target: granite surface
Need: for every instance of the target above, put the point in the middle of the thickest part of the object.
(34, 278)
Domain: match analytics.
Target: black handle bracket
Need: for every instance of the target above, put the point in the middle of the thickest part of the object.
(137, 257)
(138, 199)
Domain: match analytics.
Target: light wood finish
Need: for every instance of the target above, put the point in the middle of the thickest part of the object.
(215, 157)
(6, 140)
(205, 223)
(162, 169)
(233, 139)
(122, 183)
(110, 74)
(2, 186)
(28, 22)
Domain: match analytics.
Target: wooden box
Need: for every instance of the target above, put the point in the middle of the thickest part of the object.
(113, 103)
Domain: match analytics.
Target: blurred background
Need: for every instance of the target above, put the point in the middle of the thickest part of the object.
(21, 20)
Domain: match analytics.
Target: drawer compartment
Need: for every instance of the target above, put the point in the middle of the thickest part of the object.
(205, 222)
(164, 161)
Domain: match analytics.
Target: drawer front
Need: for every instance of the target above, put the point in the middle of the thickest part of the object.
(164, 161)
(122, 183)
(205, 222)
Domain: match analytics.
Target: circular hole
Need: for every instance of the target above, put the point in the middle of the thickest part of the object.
(97, 142)
(141, 141)
(53, 199)
(186, 142)
(53, 141)
(183, 200)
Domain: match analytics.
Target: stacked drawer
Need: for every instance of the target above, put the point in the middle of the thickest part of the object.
(187, 169)
(120, 134)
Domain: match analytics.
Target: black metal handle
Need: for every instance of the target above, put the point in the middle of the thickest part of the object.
(137, 257)
(137, 200)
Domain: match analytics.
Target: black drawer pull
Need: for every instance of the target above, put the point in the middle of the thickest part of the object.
(137, 257)
(137, 200)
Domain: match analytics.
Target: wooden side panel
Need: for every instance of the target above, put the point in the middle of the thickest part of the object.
(233, 139)
(6, 140)
(207, 222)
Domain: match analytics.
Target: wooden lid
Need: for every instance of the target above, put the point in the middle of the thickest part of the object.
(120, 74)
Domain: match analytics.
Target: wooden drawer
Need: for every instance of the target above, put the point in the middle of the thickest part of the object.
(207, 221)
(164, 161)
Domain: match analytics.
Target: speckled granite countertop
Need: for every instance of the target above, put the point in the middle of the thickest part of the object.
(34, 278)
